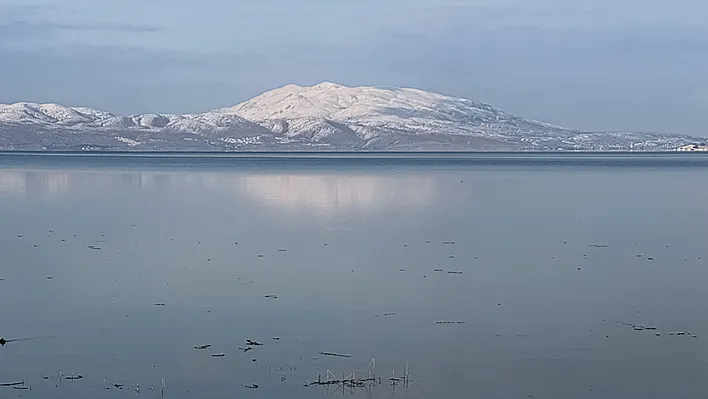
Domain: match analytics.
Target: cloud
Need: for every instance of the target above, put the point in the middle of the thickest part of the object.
(36, 25)
(110, 27)
(128, 79)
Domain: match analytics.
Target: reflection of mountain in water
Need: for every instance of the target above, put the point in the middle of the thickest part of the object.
(332, 192)
(42, 184)
(12, 183)
(32, 184)
(317, 192)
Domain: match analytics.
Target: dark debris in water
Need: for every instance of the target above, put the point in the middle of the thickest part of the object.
(450, 322)
(4, 341)
(201, 347)
(11, 384)
(334, 354)
(639, 327)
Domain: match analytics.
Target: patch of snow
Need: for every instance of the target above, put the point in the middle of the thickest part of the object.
(129, 142)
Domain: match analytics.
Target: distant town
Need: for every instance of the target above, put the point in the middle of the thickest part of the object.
(694, 147)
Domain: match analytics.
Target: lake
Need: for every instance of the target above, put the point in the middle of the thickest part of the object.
(473, 275)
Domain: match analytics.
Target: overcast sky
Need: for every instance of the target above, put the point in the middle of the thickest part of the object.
(589, 64)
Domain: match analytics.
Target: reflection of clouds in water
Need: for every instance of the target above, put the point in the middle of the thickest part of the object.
(317, 192)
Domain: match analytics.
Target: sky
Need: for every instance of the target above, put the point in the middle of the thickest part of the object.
(639, 65)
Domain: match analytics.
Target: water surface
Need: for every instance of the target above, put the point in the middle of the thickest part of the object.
(554, 255)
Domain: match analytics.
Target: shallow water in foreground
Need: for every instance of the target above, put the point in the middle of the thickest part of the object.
(554, 260)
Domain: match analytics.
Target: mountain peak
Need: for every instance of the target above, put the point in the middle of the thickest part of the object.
(329, 86)
(333, 101)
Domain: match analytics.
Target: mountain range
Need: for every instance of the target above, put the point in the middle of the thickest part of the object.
(324, 117)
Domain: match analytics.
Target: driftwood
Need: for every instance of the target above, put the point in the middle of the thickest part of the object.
(12, 384)
(4, 341)
(335, 354)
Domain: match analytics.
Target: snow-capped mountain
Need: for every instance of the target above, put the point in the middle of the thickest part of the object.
(326, 116)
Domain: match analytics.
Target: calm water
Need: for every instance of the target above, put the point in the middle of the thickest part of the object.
(350, 248)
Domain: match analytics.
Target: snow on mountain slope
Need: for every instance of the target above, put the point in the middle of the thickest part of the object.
(375, 106)
(372, 113)
(48, 114)
(325, 116)
(53, 116)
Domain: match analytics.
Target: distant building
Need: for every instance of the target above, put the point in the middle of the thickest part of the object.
(694, 147)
